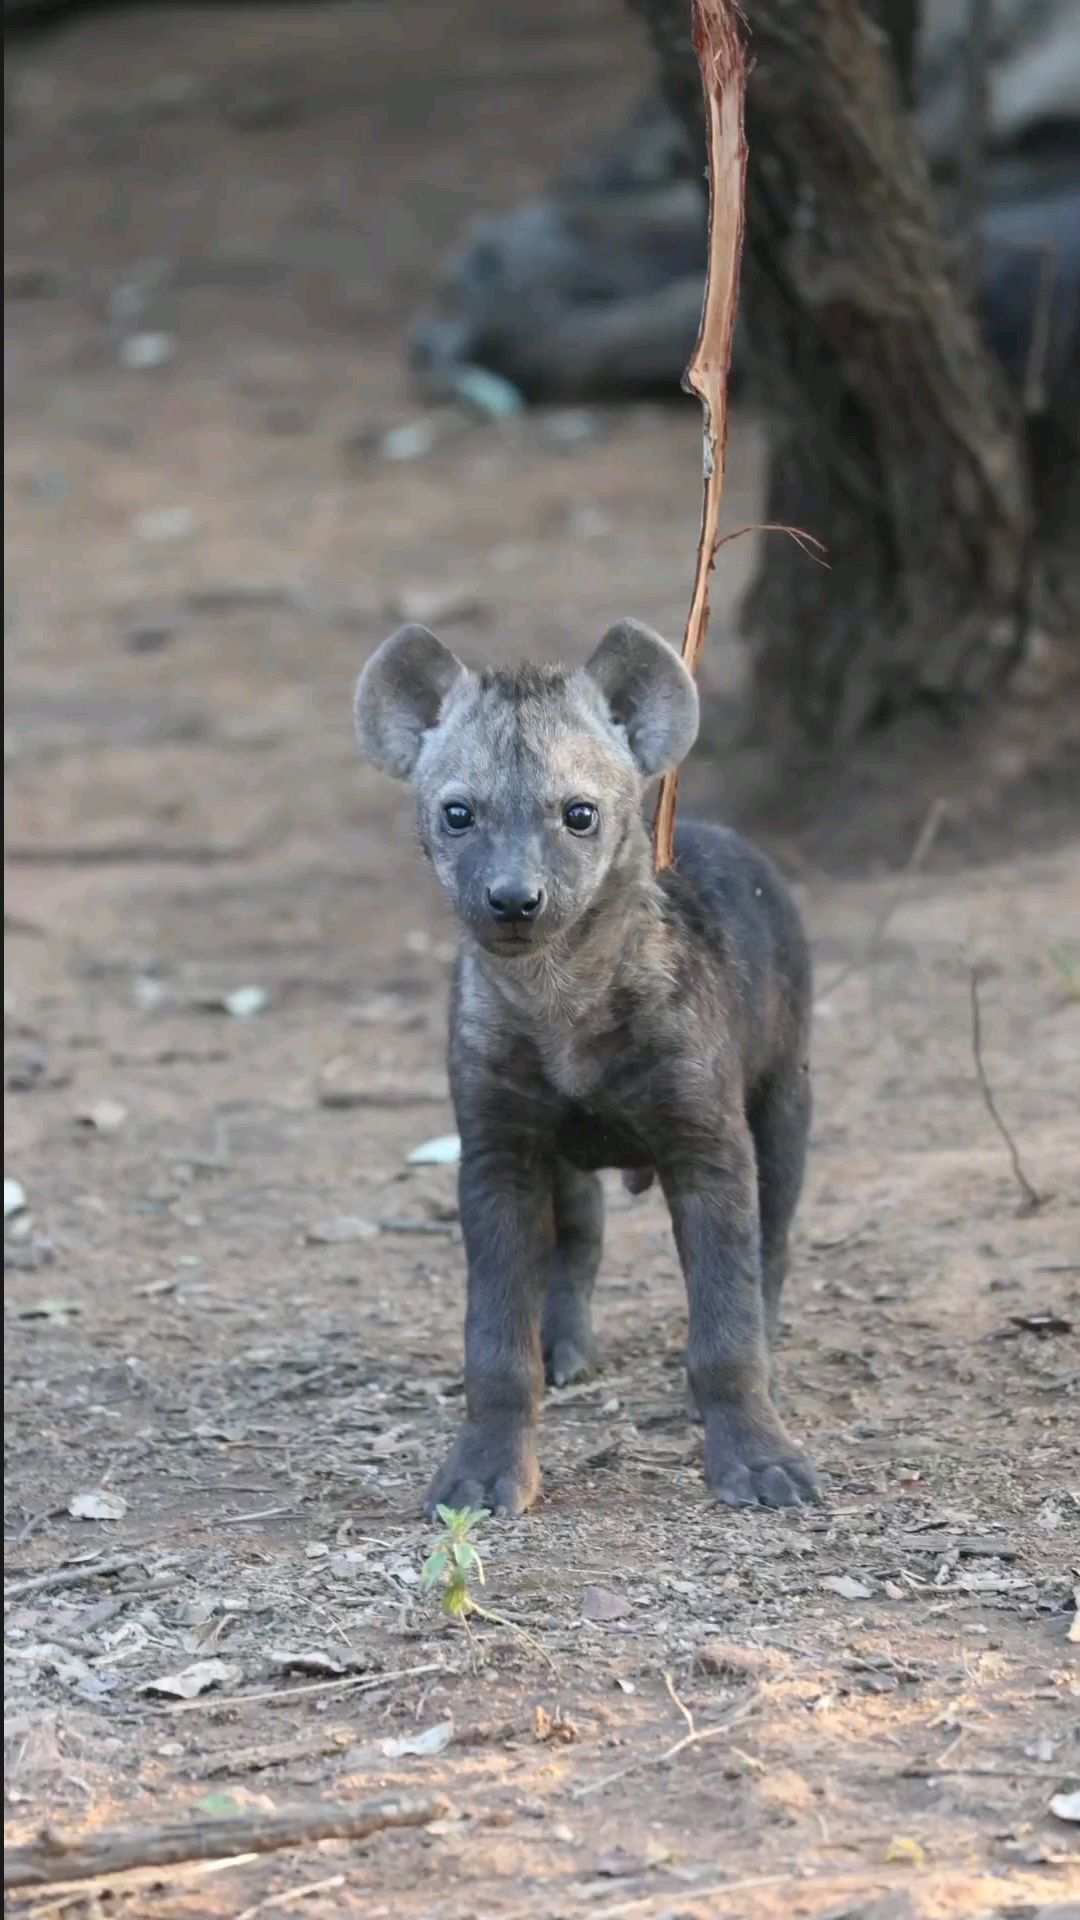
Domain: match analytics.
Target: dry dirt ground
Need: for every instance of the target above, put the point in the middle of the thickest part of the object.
(199, 557)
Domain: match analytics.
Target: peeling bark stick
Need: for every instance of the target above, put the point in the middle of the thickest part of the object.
(722, 63)
(53, 1861)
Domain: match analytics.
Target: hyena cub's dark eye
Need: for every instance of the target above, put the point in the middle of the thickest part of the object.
(581, 816)
(457, 817)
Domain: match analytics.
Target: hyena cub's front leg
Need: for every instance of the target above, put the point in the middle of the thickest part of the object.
(506, 1219)
(569, 1346)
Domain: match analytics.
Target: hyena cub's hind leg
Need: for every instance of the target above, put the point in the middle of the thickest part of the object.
(569, 1347)
(780, 1123)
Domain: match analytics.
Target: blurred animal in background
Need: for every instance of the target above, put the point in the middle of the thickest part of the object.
(593, 291)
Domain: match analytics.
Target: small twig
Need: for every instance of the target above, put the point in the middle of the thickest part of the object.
(696, 1737)
(691, 1726)
(53, 1862)
(928, 833)
(979, 1773)
(35, 1521)
(352, 1683)
(806, 541)
(69, 1576)
(501, 1620)
(289, 1899)
(257, 1759)
(241, 1519)
(1030, 1199)
(722, 64)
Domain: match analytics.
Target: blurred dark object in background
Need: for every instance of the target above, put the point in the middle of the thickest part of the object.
(594, 290)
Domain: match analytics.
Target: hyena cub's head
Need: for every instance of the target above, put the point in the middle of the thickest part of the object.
(528, 780)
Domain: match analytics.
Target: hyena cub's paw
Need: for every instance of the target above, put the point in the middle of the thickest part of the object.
(568, 1358)
(757, 1466)
(496, 1472)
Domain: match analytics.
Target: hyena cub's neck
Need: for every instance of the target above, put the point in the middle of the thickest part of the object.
(621, 946)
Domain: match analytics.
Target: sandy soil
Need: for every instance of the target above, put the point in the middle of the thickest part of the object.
(199, 557)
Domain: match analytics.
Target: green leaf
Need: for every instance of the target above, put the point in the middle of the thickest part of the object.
(220, 1806)
(434, 1567)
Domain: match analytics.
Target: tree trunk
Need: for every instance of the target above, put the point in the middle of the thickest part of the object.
(894, 438)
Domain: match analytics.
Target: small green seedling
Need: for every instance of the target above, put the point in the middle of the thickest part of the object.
(448, 1567)
(453, 1558)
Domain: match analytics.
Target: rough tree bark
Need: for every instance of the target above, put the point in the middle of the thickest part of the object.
(894, 438)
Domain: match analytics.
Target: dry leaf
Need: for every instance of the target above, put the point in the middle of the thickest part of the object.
(846, 1587)
(431, 1741)
(304, 1661)
(1046, 1321)
(553, 1726)
(196, 1679)
(600, 1603)
(97, 1505)
(105, 1116)
(342, 1232)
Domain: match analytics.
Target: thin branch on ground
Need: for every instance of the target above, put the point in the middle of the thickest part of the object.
(502, 1620)
(272, 1696)
(681, 1704)
(694, 1737)
(927, 834)
(53, 1861)
(1030, 1198)
(69, 1576)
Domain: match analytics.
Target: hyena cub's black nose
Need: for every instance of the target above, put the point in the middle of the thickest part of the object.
(516, 901)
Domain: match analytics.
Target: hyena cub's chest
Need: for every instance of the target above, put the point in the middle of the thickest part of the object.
(598, 1090)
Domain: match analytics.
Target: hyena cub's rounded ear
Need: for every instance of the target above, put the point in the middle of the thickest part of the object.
(649, 694)
(400, 695)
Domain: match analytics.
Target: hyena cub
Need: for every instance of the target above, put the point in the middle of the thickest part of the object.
(602, 1016)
